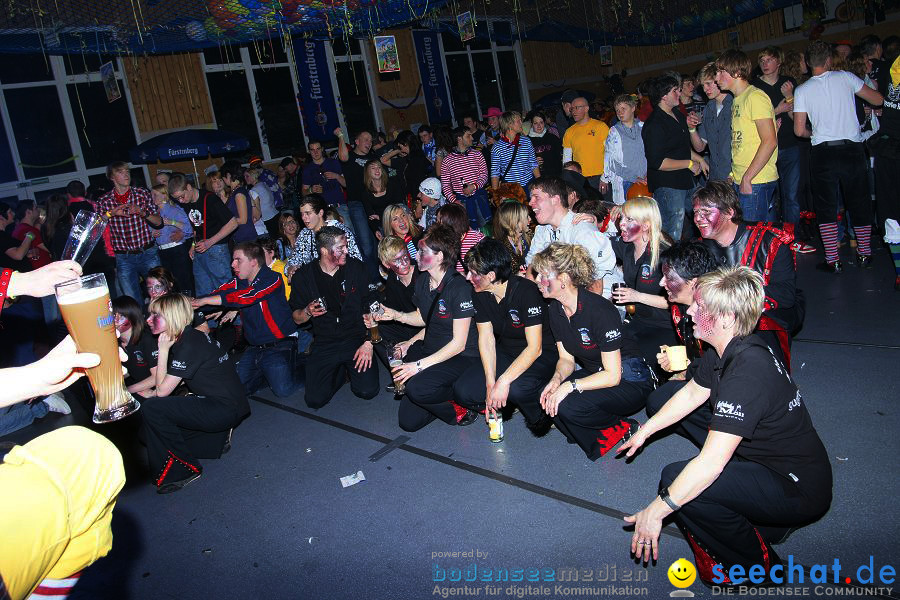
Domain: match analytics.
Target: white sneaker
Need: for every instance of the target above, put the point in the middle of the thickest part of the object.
(57, 404)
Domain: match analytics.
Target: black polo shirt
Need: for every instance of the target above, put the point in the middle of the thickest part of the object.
(346, 295)
(753, 396)
(452, 299)
(208, 215)
(400, 297)
(8, 242)
(522, 306)
(141, 358)
(667, 137)
(786, 137)
(206, 368)
(595, 327)
(639, 276)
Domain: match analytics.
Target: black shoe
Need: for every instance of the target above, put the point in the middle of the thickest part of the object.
(177, 485)
(864, 262)
(830, 267)
(467, 419)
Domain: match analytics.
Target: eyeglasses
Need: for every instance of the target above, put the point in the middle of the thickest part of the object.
(158, 287)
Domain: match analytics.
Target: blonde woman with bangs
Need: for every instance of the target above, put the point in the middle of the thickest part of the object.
(397, 221)
(180, 429)
(638, 246)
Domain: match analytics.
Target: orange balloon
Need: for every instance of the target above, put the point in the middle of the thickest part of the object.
(638, 189)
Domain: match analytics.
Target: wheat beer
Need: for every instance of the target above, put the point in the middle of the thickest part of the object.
(87, 311)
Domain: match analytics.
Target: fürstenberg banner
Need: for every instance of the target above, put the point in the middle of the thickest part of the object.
(434, 82)
(318, 105)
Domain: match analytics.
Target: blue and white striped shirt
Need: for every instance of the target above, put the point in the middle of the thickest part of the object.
(522, 170)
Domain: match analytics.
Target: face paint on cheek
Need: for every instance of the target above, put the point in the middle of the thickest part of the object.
(631, 232)
(704, 320)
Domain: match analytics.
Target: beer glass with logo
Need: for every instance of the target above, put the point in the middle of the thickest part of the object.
(87, 311)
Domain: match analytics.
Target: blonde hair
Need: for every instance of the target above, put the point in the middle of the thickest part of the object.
(176, 310)
(507, 218)
(571, 259)
(737, 291)
(388, 248)
(629, 99)
(508, 118)
(394, 209)
(645, 210)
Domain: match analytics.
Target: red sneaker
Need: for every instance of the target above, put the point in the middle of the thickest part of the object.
(620, 432)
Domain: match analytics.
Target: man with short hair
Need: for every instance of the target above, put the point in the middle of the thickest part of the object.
(512, 157)
(268, 178)
(585, 142)
(493, 132)
(312, 215)
(754, 141)
(258, 293)
(713, 129)
(131, 213)
(429, 147)
(333, 293)
(353, 165)
(463, 175)
(213, 225)
(760, 246)
(780, 90)
(549, 200)
(323, 175)
(28, 222)
(838, 163)
(563, 118)
(290, 189)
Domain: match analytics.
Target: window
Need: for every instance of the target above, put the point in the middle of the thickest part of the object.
(279, 115)
(79, 64)
(486, 80)
(462, 91)
(510, 85)
(23, 68)
(222, 54)
(105, 133)
(339, 47)
(232, 107)
(354, 96)
(7, 164)
(267, 52)
(39, 130)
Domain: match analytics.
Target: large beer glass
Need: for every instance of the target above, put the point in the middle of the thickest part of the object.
(87, 311)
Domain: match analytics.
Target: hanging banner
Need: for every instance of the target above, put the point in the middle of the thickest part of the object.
(317, 98)
(431, 70)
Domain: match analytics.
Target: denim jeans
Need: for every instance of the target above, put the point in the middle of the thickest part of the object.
(365, 239)
(478, 207)
(211, 268)
(275, 365)
(344, 211)
(21, 415)
(131, 267)
(756, 204)
(789, 183)
(671, 208)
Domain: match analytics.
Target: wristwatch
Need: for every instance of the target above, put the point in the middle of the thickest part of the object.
(664, 496)
(575, 387)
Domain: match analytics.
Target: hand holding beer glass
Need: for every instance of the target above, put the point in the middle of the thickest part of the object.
(395, 359)
(87, 311)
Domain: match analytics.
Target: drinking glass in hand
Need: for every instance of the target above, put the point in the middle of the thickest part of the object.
(394, 361)
(87, 311)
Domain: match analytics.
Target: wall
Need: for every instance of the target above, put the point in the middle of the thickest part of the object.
(554, 66)
(401, 87)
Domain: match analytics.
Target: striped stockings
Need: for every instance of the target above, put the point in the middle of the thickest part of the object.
(55, 589)
(863, 235)
(829, 232)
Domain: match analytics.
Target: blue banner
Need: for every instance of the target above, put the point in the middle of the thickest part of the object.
(431, 69)
(318, 106)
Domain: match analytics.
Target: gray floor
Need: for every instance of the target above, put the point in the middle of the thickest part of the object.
(271, 520)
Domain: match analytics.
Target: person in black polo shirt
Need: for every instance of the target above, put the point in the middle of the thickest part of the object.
(140, 346)
(590, 405)
(518, 353)
(333, 292)
(399, 287)
(180, 429)
(213, 225)
(762, 468)
(638, 246)
(258, 293)
(439, 354)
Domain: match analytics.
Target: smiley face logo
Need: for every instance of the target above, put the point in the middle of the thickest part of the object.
(682, 573)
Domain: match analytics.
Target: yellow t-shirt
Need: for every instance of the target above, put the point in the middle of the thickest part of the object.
(587, 142)
(752, 105)
(278, 266)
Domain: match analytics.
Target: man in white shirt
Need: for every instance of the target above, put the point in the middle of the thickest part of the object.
(549, 200)
(838, 159)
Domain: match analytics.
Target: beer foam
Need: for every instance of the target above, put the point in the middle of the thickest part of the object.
(83, 295)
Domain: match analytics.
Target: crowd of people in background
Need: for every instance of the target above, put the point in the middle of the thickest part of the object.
(548, 262)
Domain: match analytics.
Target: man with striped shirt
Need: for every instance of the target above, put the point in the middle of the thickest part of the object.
(463, 175)
(512, 157)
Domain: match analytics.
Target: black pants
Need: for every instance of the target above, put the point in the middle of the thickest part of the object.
(836, 172)
(180, 429)
(748, 507)
(695, 426)
(649, 338)
(428, 394)
(524, 392)
(178, 260)
(580, 417)
(329, 363)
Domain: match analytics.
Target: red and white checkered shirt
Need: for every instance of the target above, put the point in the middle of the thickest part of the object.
(131, 232)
